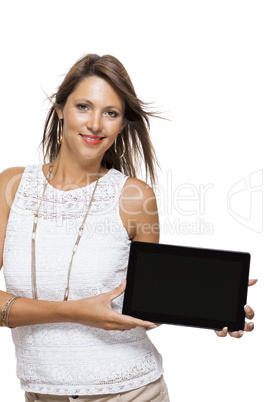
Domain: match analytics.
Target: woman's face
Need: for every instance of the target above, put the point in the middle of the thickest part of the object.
(92, 118)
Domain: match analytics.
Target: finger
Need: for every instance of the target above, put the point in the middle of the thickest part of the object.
(128, 322)
(252, 282)
(222, 333)
(128, 327)
(249, 326)
(236, 334)
(117, 291)
(249, 312)
(136, 322)
(151, 327)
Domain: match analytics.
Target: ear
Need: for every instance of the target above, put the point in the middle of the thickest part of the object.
(59, 113)
(123, 126)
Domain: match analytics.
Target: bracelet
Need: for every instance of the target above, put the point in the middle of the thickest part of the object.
(6, 310)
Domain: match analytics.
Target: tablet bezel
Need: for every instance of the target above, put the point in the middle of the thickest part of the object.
(242, 257)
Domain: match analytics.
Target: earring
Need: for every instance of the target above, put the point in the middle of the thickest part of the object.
(115, 150)
(59, 132)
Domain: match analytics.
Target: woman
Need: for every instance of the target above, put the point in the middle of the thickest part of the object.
(65, 231)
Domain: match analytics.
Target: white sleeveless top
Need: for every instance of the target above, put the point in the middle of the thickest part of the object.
(67, 358)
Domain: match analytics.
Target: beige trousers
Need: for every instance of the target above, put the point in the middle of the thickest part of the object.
(153, 392)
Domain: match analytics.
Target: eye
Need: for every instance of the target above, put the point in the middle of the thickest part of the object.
(82, 107)
(111, 113)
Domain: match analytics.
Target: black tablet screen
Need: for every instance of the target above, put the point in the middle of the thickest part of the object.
(186, 285)
(200, 287)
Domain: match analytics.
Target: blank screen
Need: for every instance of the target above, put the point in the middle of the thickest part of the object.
(186, 286)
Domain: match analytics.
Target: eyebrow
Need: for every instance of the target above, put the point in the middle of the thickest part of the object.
(84, 100)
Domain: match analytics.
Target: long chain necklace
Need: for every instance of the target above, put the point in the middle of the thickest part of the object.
(80, 232)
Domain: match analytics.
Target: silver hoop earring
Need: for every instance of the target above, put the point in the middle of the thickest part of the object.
(115, 150)
(59, 132)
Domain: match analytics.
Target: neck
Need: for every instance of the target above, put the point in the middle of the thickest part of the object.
(72, 171)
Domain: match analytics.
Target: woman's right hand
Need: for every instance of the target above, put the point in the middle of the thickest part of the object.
(96, 311)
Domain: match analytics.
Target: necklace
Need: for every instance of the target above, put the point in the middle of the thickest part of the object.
(80, 232)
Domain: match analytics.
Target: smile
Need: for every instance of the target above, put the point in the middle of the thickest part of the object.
(91, 139)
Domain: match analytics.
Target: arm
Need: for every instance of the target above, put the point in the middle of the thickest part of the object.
(92, 311)
(27, 310)
(139, 213)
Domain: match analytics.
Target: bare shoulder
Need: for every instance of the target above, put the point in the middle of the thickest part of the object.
(9, 182)
(10, 172)
(138, 209)
(137, 195)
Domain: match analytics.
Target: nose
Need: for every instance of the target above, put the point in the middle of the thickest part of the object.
(94, 122)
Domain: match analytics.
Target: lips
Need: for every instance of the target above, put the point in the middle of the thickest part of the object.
(91, 139)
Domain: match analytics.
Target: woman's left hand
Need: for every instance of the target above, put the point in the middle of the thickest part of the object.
(249, 326)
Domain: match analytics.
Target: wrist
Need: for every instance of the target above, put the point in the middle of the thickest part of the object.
(33, 312)
(64, 311)
(6, 310)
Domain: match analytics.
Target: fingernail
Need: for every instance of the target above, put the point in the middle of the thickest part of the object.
(247, 308)
(122, 281)
(152, 326)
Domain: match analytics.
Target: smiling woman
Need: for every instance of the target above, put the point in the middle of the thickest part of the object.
(65, 233)
(71, 340)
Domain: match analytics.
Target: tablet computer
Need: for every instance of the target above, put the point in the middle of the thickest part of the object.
(190, 286)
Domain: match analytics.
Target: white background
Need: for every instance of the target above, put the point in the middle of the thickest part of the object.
(204, 63)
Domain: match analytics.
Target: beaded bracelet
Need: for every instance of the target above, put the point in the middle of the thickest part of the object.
(6, 309)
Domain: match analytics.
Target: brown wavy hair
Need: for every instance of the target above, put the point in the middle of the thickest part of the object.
(135, 135)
